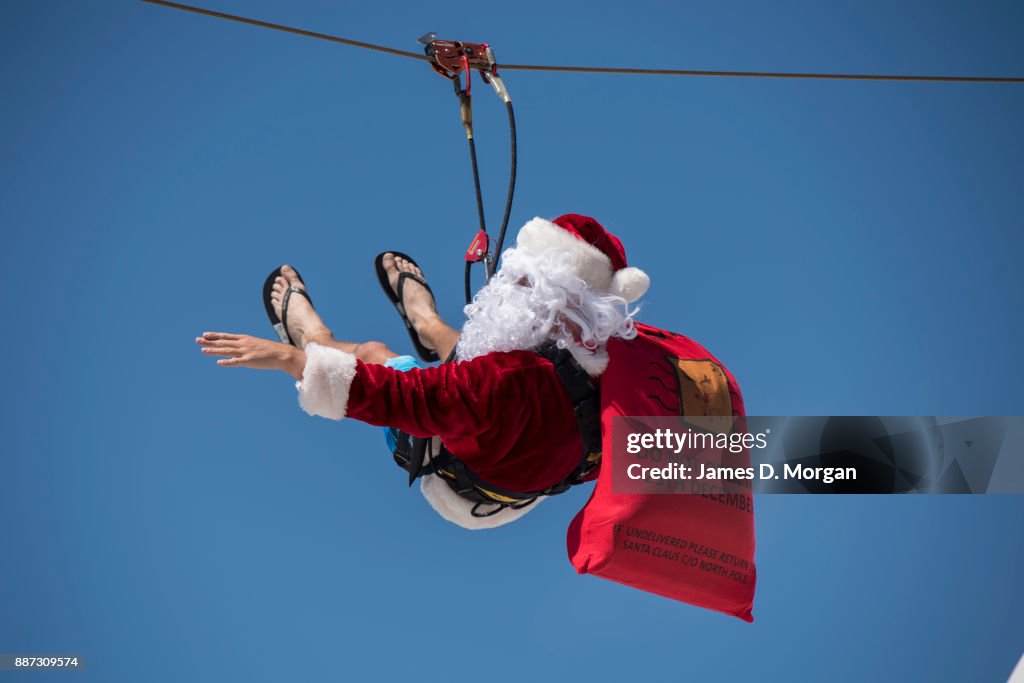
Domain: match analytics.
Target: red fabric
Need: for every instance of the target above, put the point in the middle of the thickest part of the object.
(615, 535)
(506, 415)
(593, 233)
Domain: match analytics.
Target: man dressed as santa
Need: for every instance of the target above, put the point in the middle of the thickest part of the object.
(548, 356)
(501, 409)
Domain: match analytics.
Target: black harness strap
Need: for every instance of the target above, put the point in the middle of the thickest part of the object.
(415, 455)
(410, 454)
(586, 400)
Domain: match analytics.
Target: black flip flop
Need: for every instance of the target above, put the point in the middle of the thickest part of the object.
(396, 299)
(281, 324)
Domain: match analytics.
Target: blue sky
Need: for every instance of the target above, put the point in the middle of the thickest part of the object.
(845, 248)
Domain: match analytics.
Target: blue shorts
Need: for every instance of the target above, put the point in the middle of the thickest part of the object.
(402, 364)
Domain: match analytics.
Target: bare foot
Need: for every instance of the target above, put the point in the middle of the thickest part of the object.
(304, 325)
(418, 302)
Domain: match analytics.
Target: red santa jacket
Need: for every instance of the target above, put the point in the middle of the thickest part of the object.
(505, 415)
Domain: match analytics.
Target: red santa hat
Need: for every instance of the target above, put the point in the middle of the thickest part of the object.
(600, 258)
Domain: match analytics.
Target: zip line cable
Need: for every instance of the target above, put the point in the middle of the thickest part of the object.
(286, 29)
(444, 56)
(759, 74)
(592, 69)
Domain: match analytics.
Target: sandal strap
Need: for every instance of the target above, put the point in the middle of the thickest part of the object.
(400, 304)
(284, 310)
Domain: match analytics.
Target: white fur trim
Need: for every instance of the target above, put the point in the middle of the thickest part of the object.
(326, 380)
(594, 362)
(457, 510)
(630, 283)
(591, 264)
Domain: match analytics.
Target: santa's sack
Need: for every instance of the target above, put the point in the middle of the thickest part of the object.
(695, 548)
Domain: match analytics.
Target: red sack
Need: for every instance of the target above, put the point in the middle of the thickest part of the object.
(689, 547)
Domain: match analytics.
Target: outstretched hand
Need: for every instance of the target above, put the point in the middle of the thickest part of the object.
(245, 351)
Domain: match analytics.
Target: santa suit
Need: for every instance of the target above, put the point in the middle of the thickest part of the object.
(506, 415)
(509, 418)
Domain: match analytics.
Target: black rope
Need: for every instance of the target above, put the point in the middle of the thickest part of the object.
(592, 69)
(491, 264)
(476, 185)
(760, 74)
(511, 185)
(480, 213)
(287, 29)
(466, 114)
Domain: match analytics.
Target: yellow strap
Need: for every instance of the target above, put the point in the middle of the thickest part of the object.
(497, 497)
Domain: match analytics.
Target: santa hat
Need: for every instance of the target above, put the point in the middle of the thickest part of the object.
(599, 257)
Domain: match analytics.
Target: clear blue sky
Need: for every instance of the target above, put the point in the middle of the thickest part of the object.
(846, 248)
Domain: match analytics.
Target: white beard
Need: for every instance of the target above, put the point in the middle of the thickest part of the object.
(503, 318)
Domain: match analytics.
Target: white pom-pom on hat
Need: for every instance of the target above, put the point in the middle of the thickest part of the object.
(630, 283)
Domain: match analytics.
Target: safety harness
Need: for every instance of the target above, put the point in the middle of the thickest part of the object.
(417, 457)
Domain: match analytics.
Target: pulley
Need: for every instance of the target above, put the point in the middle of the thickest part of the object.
(452, 59)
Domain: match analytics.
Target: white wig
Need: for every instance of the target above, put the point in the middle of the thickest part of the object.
(529, 299)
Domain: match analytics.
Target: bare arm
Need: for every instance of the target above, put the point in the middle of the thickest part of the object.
(245, 351)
